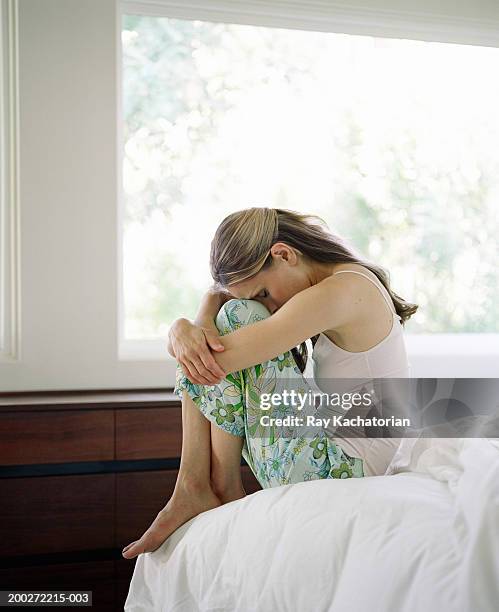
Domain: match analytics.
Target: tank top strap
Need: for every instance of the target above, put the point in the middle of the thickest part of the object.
(389, 302)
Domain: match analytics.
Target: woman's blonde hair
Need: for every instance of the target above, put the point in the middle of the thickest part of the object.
(242, 242)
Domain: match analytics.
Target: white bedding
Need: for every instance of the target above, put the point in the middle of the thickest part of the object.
(424, 537)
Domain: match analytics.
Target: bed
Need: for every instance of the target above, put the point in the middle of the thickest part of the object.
(422, 537)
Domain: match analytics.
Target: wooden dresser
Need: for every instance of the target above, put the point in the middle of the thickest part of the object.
(81, 475)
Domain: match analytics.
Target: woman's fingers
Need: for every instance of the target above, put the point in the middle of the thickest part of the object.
(203, 371)
(211, 365)
(191, 375)
(192, 351)
(214, 341)
(194, 375)
(187, 372)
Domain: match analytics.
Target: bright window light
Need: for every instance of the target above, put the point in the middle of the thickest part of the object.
(393, 142)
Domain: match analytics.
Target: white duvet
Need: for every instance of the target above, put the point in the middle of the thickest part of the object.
(424, 537)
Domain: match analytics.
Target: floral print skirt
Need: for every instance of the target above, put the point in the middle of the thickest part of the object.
(276, 455)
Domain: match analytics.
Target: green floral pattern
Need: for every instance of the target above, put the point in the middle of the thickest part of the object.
(276, 455)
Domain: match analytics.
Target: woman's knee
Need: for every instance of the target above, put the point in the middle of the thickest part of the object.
(236, 313)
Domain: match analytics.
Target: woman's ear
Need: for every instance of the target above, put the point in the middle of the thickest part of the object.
(286, 253)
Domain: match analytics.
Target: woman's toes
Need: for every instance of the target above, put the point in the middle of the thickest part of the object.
(130, 551)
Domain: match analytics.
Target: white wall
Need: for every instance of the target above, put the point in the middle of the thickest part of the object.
(68, 195)
(67, 92)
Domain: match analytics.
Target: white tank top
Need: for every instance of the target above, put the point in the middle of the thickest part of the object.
(387, 359)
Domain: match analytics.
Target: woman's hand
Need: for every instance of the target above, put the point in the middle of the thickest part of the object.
(192, 347)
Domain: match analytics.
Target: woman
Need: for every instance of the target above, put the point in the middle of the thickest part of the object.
(290, 280)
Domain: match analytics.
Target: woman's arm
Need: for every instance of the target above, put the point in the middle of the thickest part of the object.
(210, 304)
(191, 344)
(327, 305)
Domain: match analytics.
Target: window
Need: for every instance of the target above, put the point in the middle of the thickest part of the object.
(391, 141)
(381, 121)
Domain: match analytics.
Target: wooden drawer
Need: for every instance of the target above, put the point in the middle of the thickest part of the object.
(250, 483)
(124, 572)
(56, 514)
(95, 576)
(141, 495)
(139, 498)
(149, 433)
(56, 436)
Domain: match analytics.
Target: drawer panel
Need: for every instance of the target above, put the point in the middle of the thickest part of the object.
(56, 514)
(124, 571)
(95, 576)
(250, 483)
(56, 436)
(139, 498)
(141, 495)
(149, 433)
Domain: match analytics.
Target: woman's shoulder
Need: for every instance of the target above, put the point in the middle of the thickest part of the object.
(360, 299)
(345, 291)
(352, 267)
(349, 276)
(356, 280)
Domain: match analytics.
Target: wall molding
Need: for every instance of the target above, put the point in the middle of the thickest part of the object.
(10, 214)
(323, 16)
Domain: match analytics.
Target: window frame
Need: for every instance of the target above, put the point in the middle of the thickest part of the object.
(10, 338)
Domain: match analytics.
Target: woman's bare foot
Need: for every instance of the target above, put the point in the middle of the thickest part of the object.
(187, 501)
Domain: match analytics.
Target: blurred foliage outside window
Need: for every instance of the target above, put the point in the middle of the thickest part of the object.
(393, 142)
